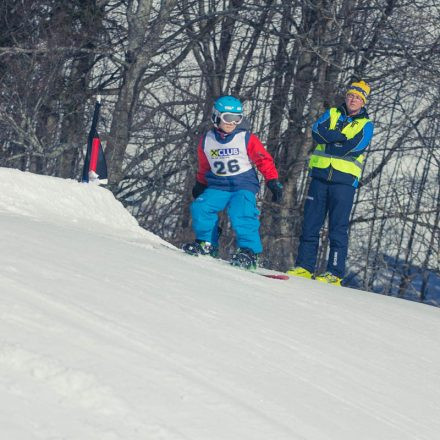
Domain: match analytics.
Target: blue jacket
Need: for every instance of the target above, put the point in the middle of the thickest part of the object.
(338, 145)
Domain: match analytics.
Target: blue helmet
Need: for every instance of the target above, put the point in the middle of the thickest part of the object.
(228, 104)
(225, 104)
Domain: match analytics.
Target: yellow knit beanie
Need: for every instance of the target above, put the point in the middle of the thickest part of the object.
(361, 89)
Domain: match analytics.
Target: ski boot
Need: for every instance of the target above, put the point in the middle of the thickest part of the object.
(244, 258)
(299, 272)
(200, 247)
(329, 278)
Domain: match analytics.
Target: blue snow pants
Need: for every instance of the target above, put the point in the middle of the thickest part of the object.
(243, 213)
(336, 200)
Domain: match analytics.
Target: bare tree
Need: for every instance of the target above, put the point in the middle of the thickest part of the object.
(160, 65)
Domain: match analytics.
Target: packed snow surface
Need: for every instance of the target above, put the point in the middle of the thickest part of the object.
(107, 332)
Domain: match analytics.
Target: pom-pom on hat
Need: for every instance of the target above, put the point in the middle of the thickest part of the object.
(361, 89)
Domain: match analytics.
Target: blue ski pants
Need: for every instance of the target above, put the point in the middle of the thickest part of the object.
(242, 211)
(336, 200)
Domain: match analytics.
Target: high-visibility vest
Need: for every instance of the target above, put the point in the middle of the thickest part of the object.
(347, 164)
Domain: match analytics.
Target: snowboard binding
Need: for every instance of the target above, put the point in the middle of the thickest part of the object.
(244, 258)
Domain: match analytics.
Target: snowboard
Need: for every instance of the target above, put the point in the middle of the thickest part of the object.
(279, 276)
(273, 276)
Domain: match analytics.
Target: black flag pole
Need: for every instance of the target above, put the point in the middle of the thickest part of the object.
(95, 166)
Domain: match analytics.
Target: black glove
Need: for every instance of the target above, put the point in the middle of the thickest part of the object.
(198, 189)
(276, 188)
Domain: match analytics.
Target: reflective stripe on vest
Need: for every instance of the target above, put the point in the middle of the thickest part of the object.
(348, 164)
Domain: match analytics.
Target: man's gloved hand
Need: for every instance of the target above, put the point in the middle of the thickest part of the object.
(198, 189)
(276, 188)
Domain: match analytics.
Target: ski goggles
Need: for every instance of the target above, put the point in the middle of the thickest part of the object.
(231, 118)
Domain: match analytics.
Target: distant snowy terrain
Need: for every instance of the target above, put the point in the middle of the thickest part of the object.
(109, 333)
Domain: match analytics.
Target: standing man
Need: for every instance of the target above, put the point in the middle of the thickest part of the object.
(227, 179)
(343, 134)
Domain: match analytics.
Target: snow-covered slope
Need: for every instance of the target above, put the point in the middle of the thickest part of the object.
(108, 333)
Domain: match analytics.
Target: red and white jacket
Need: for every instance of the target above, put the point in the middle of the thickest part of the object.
(226, 161)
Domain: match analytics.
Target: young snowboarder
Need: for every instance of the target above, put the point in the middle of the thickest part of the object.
(343, 134)
(226, 179)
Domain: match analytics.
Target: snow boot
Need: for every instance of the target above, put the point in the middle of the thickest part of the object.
(329, 278)
(299, 272)
(200, 247)
(244, 258)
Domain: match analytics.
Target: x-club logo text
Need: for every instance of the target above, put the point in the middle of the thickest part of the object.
(224, 152)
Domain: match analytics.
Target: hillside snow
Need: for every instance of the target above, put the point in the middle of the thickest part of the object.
(109, 333)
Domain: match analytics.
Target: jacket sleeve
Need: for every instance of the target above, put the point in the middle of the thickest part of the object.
(354, 146)
(261, 158)
(203, 164)
(321, 132)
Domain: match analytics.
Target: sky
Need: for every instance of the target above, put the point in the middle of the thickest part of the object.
(107, 332)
